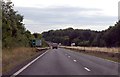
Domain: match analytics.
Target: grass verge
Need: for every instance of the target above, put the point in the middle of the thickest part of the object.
(15, 56)
(105, 55)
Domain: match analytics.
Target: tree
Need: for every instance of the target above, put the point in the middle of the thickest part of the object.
(109, 37)
(14, 33)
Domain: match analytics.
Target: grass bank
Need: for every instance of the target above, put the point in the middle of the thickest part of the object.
(98, 49)
(15, 56)
(112, 54)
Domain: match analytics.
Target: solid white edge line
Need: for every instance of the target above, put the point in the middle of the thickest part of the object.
(87, 69)
(19, 71)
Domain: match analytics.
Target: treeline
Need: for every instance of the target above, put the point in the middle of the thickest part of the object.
(14, 34)
(109, 37)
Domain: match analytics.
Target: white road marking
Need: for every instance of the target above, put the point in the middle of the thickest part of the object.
(87, 69)
(19, 71)
(75, 60)
(103, 59)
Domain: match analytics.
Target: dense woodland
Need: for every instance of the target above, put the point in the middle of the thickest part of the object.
(14, 34)
(105, 38)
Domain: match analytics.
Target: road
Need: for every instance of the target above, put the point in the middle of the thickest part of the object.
(65, 62)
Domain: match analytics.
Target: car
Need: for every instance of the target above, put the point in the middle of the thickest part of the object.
(54, 46)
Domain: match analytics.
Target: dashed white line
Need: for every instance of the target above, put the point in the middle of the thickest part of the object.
(69, 56)
(87, 69)
(84, 67)
(75, 60)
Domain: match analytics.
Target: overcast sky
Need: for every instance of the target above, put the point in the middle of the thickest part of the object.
(43, 15)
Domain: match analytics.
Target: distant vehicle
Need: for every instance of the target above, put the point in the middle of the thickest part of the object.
(54, 46)
(72, 44)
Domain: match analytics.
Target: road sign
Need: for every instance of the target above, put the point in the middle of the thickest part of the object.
(33, 42)
(37, 42)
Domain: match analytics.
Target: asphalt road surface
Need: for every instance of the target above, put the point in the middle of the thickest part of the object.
(65, 62)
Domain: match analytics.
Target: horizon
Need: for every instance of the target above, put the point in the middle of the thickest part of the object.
(41, 16)
(72, 28)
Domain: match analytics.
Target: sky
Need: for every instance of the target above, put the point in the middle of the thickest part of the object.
(44, 15)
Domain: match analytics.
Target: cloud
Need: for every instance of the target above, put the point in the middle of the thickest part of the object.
(65, 15)
(56, 17)
(40, 27)
(119, 10)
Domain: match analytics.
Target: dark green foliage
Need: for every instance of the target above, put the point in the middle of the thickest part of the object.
(44, 43)
(37, 35)
(112, 35)
(14, 33)
(70, 35)
(109, 37)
